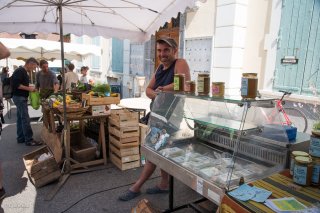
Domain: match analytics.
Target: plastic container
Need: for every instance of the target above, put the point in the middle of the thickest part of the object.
(291, 132)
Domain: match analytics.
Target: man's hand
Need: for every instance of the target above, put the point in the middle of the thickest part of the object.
(159, 89)
(32, 89)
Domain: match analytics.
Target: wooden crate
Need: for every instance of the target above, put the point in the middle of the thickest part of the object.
(125, 163)
(143, 132)
(122, 152)
(124, 118)
(124, 132)
(124, 142)
(95, 101)
(41, 172)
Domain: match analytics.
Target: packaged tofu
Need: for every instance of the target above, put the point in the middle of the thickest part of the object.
(171, 152)
(223, 178)
(209, 172)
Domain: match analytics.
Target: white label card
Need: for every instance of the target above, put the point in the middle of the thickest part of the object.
(200, 185)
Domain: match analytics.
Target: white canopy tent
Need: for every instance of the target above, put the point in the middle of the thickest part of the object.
(125, 19)
(135, 20)
(50, 50)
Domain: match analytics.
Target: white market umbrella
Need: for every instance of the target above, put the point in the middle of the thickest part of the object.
(50, 50)
(135, 20)
(125, 19)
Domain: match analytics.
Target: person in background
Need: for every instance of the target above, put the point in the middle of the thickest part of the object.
(5, 73)
(83, 78)
(4, 53)
(59, 77)
(21, 89)
(46, 80)
(71, 77)
(162, 80)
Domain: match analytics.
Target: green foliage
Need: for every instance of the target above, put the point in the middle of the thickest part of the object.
(316, 126)
(102, 88)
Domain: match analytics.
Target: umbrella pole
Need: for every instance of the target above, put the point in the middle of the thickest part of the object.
(65, 141)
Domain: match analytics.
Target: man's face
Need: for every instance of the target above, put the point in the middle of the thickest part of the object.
(31, 66)
(45, 67)
(166, 54)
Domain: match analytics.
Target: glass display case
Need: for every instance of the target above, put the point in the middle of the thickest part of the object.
(212, 144)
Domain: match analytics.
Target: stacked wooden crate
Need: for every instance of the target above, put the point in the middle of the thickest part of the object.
(124, 139)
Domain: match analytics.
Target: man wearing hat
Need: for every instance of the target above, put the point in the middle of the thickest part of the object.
(162, 80)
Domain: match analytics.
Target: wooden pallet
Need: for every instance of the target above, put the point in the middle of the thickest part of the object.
(122, 152)
(124, 132)
(125, 163)
(123, 142)
(124, 118)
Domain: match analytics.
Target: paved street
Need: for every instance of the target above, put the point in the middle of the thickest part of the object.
(86, 192)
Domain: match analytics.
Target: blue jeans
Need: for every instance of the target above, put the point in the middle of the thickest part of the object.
(24, 130)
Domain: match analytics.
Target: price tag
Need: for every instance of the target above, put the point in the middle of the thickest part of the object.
(200, 186)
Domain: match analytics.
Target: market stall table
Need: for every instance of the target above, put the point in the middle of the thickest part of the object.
(281, 185)
(49, 116)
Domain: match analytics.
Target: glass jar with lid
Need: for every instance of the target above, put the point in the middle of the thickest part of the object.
(178, 82)
(249, 85)
(190, 87)
(217, 89)
(293, 155)
(203, 85)
(303, 168)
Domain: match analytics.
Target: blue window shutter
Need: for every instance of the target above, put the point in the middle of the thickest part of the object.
(117, 55)
(299, 36)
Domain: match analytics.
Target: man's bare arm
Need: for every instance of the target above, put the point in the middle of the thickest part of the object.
(149, 91)
(4, 52)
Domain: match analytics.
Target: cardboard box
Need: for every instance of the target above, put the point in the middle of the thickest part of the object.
(41, 172)
(144, 206)
(100, 110)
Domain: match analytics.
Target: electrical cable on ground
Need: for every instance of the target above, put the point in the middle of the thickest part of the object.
(105, 190)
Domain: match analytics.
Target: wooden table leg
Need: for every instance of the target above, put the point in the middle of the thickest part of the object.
(102, 140)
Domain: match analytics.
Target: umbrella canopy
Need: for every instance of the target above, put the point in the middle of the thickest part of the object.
(49, 50)
(126, 19)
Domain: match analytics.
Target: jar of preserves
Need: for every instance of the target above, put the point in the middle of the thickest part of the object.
(190, 87)
(293, 155)
(302, 170)
(217, 89)
(203, 84)
(314, 148)
(249, 85)
(178, 82)
(315, 179)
